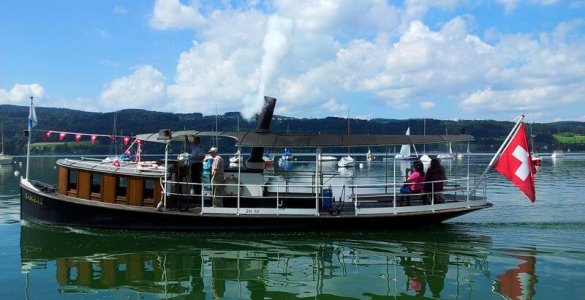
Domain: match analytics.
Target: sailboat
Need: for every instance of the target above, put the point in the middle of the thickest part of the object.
(536, 159)
(405, 150)
(346, 161)
(425, 158)
(4, 158)
(448, 155)
(236, 158)
(369, 155)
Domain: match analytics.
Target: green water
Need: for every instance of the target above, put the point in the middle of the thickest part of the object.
(515, 250)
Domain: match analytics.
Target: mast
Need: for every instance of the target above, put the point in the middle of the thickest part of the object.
(2, 129)
(424, 133)
(348, 131)
(216, 124)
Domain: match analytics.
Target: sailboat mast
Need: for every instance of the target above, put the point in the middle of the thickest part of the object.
(348, 130)
(216, 124)
(424, 133)
(2, 129)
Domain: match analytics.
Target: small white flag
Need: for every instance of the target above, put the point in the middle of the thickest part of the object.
(32, 116)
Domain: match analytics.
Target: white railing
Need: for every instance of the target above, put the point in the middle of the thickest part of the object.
(384, 198)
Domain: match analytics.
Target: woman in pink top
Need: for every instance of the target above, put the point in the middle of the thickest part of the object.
(416, 176)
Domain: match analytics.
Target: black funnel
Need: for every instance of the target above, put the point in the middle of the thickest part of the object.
(263, 120)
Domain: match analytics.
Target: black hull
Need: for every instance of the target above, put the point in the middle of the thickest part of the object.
(52, 209)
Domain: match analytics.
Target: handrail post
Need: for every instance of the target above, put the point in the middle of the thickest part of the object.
(166, 174)
(386, 170)
(318, 188)
(394, 185)
(432, 193)
(202, 197)
(239, 178)
(355, 198)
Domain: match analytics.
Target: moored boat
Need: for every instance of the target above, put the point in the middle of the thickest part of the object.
(405, 150)
(286, 155)
(558, 154)
(94, 193)
(346, 162)
(5, 159)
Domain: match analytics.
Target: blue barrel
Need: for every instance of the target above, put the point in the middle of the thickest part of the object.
(327, 198)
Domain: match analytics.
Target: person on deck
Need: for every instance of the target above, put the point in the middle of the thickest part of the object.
(197, 156)
(434, 181)
(416, 177)
(217, 177)
(414, 181)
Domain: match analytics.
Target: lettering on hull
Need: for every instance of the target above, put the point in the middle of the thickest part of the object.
(33, 198)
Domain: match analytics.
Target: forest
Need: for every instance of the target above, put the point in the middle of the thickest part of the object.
(488, 133)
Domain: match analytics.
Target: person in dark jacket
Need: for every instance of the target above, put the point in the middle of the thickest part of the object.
(434, 180)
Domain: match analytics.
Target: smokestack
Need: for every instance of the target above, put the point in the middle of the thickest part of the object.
(262, 126)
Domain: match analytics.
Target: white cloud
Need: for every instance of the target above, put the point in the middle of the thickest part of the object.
(510, 5)
(577, 4)
(145, 88)
(20, 94)
(337, 49)
(224, 69)
(119, 10)
(333, 106)
(79, 103)
(172, 14)
(102, 33)
(427, 105)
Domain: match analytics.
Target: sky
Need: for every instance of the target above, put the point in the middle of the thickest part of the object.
(449, 59)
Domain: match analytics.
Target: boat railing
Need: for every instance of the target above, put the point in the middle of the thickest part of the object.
(127, 167)
(381, 198)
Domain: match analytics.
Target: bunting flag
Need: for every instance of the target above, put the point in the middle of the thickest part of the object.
(516, 165)
(92, 137)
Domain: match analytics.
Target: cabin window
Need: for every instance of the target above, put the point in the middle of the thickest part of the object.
(72, 180)
(96, 186)
(121, 186)
(149, 189)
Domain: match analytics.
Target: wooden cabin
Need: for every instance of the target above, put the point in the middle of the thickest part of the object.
(107, 184)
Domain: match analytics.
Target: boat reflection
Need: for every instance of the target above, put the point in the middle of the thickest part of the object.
(381, 265)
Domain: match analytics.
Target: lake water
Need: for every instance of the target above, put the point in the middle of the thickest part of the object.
(515, 250)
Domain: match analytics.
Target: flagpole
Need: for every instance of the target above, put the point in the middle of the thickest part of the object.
(29, 137)
(514, 129)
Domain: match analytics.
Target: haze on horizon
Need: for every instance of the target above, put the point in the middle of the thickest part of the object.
(450, 59)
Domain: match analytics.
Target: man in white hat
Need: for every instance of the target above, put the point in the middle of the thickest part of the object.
(216, 177)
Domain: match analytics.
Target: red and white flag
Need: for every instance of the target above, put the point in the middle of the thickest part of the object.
(516, 165)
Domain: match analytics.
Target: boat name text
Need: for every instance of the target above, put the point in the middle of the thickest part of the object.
(33, 198)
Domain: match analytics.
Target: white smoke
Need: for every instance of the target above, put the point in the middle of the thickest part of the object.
(276, 45)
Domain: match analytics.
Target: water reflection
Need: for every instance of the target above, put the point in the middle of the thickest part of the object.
(357, 266)
(519, 283)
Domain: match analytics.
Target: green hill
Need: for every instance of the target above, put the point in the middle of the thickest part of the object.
(488, 133)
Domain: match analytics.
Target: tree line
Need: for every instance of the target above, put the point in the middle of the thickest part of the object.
(489, 134)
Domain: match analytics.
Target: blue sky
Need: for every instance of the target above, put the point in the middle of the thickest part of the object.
(452, 59)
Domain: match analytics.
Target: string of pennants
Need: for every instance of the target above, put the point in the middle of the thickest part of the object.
(92, 137)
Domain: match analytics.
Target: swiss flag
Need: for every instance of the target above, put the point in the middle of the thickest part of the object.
(516, 165)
